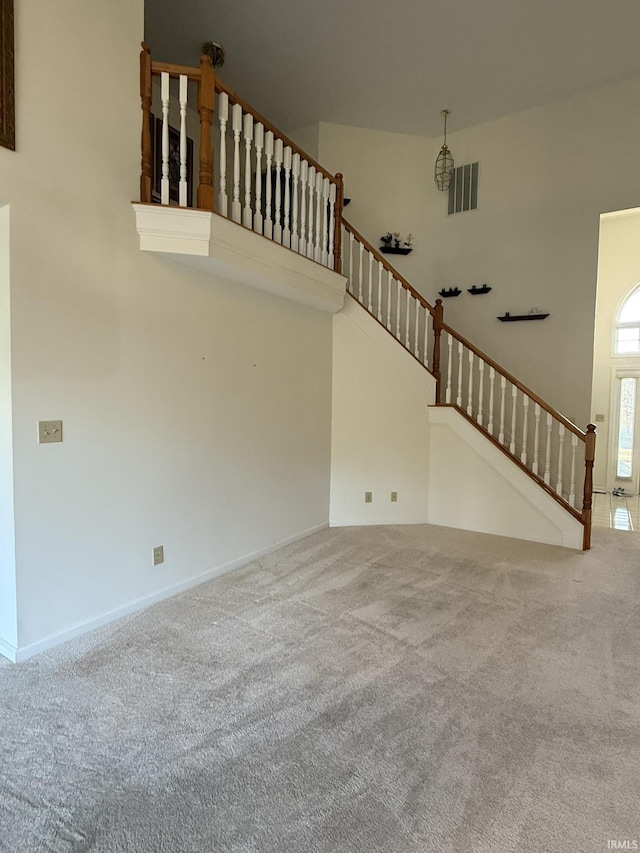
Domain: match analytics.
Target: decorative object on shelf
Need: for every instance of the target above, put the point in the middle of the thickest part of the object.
(393, 244)
(477, 290)
(443, 169)
(534, 314)
(453, 291)
(215, 51)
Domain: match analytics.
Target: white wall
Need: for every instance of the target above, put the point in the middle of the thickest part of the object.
(545, 177)
(618, 273)
(380, 427)
(196, 411)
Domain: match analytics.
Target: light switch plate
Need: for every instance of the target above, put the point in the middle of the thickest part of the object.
(49, 431)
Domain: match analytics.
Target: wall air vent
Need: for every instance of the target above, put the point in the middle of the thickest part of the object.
(463, 189)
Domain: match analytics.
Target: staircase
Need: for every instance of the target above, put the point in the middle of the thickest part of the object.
(271, 187)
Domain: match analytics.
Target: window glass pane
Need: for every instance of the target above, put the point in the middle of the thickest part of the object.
(630, 312)
(625, 429)
(628, 339)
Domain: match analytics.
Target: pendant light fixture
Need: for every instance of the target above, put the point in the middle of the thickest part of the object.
(443, 169)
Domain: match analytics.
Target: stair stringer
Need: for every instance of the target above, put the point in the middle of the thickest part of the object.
(475, 486)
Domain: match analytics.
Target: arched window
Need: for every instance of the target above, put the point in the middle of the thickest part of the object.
(628, 326)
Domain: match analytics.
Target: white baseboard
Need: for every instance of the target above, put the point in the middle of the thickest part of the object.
(22, 653)
(8, 651)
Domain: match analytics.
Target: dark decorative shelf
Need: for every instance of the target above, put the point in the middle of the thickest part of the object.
(512, 318)
(396, 250)
(346, 201)
(475, 290)
(453, 291)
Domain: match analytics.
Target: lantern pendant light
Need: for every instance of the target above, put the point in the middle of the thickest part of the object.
(443, 169)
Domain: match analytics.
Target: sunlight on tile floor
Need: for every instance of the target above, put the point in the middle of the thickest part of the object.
(621, 513)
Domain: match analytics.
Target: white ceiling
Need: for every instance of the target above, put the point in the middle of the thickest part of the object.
(394, 64)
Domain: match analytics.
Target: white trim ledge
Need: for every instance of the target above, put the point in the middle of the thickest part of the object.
(212, 243)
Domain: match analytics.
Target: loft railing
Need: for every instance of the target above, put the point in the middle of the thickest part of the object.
(537, 438)
(264, 180)
(266, 183)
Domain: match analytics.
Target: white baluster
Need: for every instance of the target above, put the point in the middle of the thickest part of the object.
(351, 238)
(460, 362)
(302, 247)
(398, 312)
(572, 489)
(408, 320)
(332, 224)
(369, 306)
(492, 377)
(317, 254)
(182, 187)
(416, 332)
(277, 219)
(326, 183)
(257, 208)
(425, 360)
(360, 268)
(514, 394)
(236, 123)
(503, 387)
(268, 186)
(312, 184)
(223, 117)
(560, 461)
(470, 385)
(450, 359)
(379, 291)
(248, 139)
(286, 234)
(547, 461)
(525, 404)
(480, 391)
(295, 170)
(536, 439)
(164, 96)
(389, 281)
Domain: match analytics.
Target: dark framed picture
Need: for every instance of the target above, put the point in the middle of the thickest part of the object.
(7, 77)
(174, 163)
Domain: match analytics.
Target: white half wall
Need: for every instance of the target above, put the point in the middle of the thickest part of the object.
(379, 434)
(473, 485)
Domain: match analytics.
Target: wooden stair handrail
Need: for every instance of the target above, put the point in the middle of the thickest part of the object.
(512, 379)
(236, 99)
(175, 70)
(394, 272)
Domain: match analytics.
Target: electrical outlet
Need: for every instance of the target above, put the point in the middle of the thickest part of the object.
(599, 419)
(49, 431)
(368, 497)
(394, 497)
(158, 555)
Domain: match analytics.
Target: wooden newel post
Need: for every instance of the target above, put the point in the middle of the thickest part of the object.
(206, 100)
(146, 172)
(587, 501)
(337, 240)
(438, 319)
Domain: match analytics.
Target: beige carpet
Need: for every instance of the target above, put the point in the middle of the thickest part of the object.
(368, 689)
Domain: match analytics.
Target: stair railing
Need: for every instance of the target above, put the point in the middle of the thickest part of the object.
(264, 181)
(541, 441)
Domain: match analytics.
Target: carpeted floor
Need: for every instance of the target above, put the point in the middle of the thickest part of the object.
(367, 689)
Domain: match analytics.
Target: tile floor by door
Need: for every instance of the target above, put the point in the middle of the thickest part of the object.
(618, 513)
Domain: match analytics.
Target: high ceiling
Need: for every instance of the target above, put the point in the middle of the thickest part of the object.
(394, 65)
